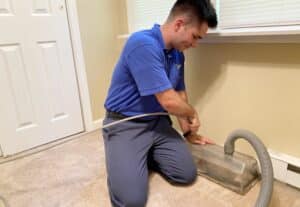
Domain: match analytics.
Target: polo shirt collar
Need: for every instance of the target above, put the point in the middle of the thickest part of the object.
(157, 32)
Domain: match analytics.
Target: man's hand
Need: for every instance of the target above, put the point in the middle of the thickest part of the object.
(190, 125)
(194, 123)
(198, 139)
(184, 124)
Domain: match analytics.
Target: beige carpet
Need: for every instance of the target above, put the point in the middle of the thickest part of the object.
(73, 175)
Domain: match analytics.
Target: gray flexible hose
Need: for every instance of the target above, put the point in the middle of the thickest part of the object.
(134, 117)
(266, 189)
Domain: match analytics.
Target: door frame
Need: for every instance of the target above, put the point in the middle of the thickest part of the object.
(79, 62)
(80, 69)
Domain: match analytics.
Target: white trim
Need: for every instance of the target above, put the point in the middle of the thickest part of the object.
(97, 124)
(258, 31)
(123, 36)
(280, 164)
(79, 64)
(251, 39)
(285, 158)
(279, 169)
(215, 37)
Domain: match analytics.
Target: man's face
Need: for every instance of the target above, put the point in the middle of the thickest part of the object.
(188, 35)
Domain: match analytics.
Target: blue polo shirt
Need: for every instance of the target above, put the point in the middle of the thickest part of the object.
(144, 68)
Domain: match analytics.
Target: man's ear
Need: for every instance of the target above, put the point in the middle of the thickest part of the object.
(178, 24)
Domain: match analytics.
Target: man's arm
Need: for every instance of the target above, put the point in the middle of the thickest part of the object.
(193, 138)
(176, 103)
(185, 124)
(172, 102)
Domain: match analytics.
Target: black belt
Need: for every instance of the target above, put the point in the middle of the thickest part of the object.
(117, 115)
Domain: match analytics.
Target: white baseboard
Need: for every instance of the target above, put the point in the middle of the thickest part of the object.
(97, 124)
(286, 168)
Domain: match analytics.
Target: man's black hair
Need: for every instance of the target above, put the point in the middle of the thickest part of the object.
(202, 9)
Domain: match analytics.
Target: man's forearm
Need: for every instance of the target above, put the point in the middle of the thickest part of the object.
(183, 122)
(180, 108)
(175, 103)
(183, 95)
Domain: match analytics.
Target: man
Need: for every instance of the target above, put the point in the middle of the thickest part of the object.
(148, 78)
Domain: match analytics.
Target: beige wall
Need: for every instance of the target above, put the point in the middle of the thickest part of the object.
(99, 26)
(252, 86)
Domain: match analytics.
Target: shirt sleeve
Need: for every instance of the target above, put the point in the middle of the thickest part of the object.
(147, 66)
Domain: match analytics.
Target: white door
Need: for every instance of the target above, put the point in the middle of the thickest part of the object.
(38, 88)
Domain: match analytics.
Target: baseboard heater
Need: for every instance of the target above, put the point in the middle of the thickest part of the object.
(286, 168)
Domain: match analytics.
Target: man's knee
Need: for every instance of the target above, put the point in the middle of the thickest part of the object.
(189, 176)
(129, 198)
(135, 201)
(185, 177)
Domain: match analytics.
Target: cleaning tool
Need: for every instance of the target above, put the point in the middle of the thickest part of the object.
(236, 171)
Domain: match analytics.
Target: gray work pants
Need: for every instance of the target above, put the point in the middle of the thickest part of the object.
(132, 147)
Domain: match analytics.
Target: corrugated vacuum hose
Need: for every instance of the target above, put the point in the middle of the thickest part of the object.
(266, 189)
